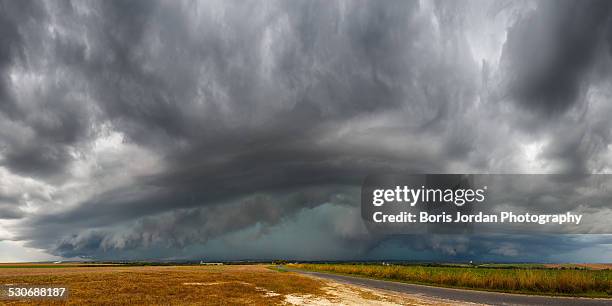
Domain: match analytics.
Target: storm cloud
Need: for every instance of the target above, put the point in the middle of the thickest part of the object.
(167, 129)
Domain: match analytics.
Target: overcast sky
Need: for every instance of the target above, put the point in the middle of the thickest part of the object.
(243, 129)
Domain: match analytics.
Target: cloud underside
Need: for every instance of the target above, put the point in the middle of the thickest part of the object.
(150, 129)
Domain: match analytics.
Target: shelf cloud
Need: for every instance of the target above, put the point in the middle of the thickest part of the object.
(180, 129)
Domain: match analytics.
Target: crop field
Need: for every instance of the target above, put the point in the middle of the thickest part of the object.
(190, 285)
(561, 280)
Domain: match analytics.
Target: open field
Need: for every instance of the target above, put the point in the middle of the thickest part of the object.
(589, 283)
(196, 285)
(588, 266)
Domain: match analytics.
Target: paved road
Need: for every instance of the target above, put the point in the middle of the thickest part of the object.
(483, 297)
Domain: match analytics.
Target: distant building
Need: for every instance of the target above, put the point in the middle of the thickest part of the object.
(211, 263)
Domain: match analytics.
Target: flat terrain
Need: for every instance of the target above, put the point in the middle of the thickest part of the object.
(196, 285)
(559, 281)
(588, 266)
(460, 295)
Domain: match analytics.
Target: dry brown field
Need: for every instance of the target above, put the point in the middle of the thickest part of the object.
(195, 285)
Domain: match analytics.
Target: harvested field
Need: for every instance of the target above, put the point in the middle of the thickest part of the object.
(196, 285)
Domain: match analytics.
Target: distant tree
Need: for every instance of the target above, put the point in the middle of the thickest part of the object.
(280, 262)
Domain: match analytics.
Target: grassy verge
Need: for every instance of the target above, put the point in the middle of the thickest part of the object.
(586, 283)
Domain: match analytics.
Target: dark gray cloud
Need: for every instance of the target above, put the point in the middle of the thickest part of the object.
(11, 41)
(183, 227)
(142, 128)
(48, 120)
(9, 211)
(549, 52)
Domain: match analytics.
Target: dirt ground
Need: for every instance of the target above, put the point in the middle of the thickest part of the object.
(197, 285)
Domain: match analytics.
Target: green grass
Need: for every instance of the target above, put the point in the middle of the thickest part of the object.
(589, 283)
